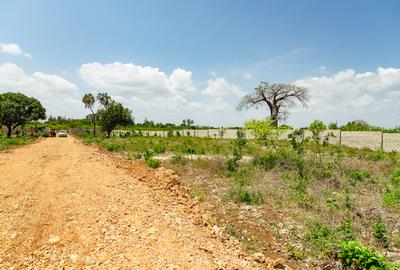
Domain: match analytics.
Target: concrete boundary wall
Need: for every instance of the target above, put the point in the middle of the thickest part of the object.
(374, 140)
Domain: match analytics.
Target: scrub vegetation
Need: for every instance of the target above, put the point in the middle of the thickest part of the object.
(318, 204)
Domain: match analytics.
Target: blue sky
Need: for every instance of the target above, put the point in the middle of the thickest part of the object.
(221, 49)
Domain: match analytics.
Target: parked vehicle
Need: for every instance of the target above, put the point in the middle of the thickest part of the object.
(62, 133)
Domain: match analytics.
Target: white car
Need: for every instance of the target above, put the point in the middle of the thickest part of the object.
(62, 133)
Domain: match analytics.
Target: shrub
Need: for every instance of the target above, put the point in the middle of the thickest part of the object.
(247, 197)
(391, 198)
(377, 156)
(353, 255)
(45, 134)
(268, 161)
(380, 232)
(159, 149)
(232, 165)
(113, 147)
(153, 163)
(396, 177)
(357, 176)
(177, 159)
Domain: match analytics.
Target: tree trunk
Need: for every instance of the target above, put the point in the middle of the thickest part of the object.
(94, 129)
(274, 115)
(9, 131)
(108, 134)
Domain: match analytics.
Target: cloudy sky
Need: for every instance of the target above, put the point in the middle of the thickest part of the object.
(170, 60)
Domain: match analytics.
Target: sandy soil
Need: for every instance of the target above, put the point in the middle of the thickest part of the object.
(65, 205)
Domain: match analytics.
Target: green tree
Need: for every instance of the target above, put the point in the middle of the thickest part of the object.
(264, 131)
(114, 114)
(89, 100)
(17, 109)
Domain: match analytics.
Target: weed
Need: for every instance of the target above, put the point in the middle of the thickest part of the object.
(197, 193)
(241, 195)
(391, 198)
(267, 162)
(159, 149)
(377, 156)
(396, 177)
(113, 147)
(135, 156)
(153, 163)
(380, 233)
(353, 255)
(358, 175)
(178, 159)
(296, 253)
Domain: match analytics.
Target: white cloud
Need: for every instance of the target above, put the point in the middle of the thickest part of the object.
(348, 95)
(13, 49)
(134, 80)
(219, 87)
(57, 94)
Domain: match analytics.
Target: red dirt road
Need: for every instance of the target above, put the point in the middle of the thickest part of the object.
(65, 205)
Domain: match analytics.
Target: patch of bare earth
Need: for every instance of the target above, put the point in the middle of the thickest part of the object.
(64, 205)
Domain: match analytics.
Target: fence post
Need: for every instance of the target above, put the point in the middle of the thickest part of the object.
(208, 133)
(340, 137)
(382, 140)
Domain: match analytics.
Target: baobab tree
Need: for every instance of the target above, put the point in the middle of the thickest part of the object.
(89, 100)
(279, 98)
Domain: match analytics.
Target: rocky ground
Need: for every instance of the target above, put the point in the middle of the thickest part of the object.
(65, 205)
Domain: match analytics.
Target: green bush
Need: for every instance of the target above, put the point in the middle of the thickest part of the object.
(113, 147)
(159, 149)
(45, 134)
(232, 165)
(241, 195)
(377, 156)
(380, 232)
(268, 161)
(355, 256)
(392, 198)
(396, 177)
(153, 163)
(357, 176)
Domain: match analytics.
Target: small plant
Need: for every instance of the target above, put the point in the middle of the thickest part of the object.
(357, 176)
(197, 193)
(113, 147)
(267, 162)
(380, 232)
(396, 177)
(159, 149)
(153, 163)
(238, 144)
(45, 134)
(250, 198)
(135, 156)
(377, 156)
(392, 198)
(353, 255)
(178, 159)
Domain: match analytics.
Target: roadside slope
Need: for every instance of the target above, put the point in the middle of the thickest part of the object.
(64, 204)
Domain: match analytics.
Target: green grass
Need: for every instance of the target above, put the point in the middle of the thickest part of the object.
(176, 145)
(6, 143)
(328, 193)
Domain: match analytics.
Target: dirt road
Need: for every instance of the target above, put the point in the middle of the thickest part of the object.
(65, 205)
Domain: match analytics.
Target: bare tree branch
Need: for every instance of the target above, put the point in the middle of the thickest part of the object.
(279, 98)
